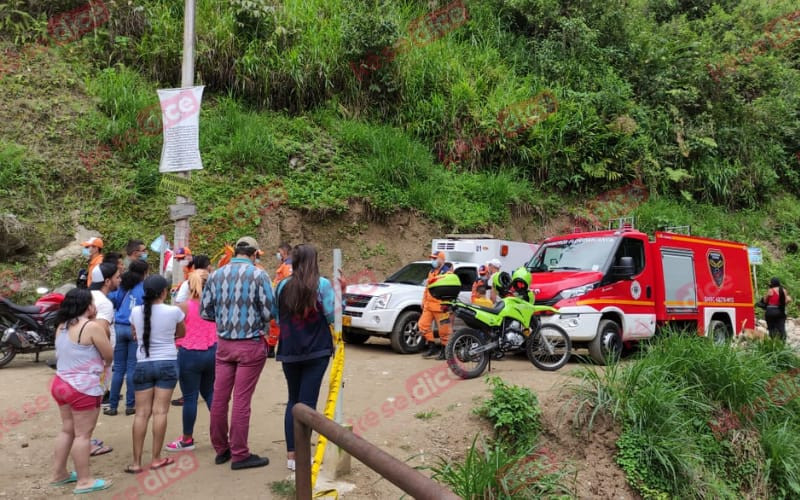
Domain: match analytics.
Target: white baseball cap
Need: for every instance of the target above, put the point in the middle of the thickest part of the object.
(496, 263)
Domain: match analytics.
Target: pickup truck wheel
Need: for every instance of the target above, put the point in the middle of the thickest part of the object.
(354, 338)
(405, 336)
(718, 331)
(607, 344)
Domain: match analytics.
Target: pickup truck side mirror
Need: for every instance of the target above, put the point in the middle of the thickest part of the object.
(625, 269)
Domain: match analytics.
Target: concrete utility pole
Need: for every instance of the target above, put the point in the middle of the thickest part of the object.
(187, 80)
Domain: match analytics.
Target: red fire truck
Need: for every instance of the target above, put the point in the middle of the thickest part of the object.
(619, 285)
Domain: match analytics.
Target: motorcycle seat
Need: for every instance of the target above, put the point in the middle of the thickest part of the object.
(491, 310)
(18, 308)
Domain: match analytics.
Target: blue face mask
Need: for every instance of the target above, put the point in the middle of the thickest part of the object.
(85, 252)
(143, 257)
(434, 264)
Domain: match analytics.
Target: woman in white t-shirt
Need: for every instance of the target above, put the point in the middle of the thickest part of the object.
(155, 327)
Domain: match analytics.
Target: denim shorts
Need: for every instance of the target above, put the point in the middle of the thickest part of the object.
(162, 374)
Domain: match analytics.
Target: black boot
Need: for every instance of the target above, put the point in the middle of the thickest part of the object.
(433, 352)
(441, 357)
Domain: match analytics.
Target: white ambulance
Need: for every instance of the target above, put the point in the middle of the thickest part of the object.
(392, 308)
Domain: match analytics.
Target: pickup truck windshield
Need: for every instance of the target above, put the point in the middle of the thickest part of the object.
(413, 274)
(579, 254)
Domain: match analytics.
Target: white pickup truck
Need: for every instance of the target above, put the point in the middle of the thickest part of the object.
(392, 308)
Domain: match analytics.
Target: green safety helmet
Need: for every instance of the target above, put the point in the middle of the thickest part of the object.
(523, 274)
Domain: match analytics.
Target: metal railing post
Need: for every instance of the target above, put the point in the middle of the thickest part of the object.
(398, 473)
(302, 450)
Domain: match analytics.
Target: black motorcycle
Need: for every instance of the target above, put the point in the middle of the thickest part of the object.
(28, 329)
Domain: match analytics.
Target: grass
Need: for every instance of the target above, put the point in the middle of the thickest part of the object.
(684, 406)
(282, 489)
(427, 415)
(491, 470)
(508, 466)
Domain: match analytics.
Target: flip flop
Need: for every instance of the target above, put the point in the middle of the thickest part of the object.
(72, 478)
(97, 442)
(101, 450)
(99, 484)
(131, 470)
(164, 462)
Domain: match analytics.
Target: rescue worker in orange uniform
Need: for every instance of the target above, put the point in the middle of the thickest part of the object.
(480, 287)
(432, 310)
(284, 270)
(92, 248)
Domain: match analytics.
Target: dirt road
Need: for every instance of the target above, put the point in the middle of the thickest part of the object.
(408, 406)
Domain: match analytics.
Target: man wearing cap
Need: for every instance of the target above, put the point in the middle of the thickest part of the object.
(238, 297)
(432, 310)
(93, 249)
(493, 266)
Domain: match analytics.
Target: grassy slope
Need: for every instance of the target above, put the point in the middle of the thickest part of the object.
(344, 140)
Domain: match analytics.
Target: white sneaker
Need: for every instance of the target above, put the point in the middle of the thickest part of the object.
(290, 464)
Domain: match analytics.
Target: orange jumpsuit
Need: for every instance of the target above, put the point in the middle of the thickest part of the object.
(283, 271)
(432, 310)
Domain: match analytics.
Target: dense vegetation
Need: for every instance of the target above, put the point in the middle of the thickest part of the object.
(510, 465)
(701, 420)
(339, 100)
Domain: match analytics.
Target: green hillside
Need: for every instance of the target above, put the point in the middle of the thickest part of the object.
(695, 102)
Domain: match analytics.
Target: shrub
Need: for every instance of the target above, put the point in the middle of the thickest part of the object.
(514, 412)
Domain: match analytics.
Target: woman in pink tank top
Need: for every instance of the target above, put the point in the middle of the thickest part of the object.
(82, 351)
(196, 357)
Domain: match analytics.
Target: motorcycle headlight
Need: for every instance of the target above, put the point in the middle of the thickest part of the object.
(577, 291)
(382, 301)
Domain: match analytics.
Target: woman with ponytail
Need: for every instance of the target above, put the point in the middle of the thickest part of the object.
(155, 326)
(83, 350)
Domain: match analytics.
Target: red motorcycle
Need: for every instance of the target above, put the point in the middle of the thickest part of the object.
(28, 329)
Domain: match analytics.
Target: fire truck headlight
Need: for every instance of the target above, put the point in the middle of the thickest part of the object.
(382, 301)
(577, 291)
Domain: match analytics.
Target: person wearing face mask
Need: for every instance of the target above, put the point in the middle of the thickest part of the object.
(93, 250)
(432, 310)
(134, 250)
(284, 256)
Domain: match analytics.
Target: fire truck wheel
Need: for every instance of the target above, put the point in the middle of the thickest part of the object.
(607, 344)
(718, 331)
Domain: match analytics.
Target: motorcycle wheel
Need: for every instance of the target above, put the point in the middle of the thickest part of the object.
(549, 347)
(457, 353)
(7, 351)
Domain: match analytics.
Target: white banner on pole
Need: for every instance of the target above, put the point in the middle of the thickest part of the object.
(180, 116)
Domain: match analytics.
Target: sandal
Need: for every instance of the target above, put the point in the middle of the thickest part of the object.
(163, 463)
(72, 478)
(100, 450)
(99, 484)
(131, 469)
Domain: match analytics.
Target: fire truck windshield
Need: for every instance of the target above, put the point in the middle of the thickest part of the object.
(579, 254)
